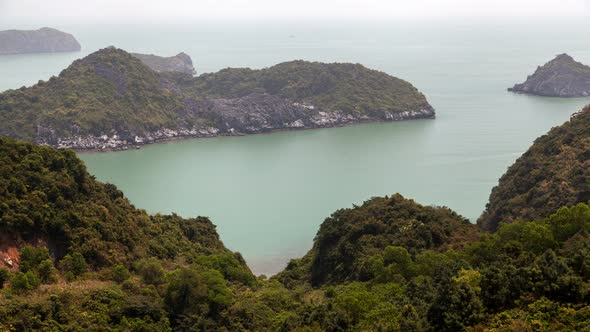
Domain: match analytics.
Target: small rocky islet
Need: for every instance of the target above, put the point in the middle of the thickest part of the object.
(44, 40)
(112, 100)
(181, 63)
(560, 77)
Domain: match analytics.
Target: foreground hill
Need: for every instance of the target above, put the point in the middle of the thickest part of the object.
(348, 240)
(111, 100)
(560, 77)
(54, 214)
(43, 40)
(181, 63)
(78, 256)
(554, 172)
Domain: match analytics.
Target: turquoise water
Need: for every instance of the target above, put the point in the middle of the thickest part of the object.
(268, 193)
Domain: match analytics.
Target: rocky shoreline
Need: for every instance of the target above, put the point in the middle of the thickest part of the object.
(125, 141)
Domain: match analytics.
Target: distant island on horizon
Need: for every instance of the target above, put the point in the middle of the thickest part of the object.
(44, 40)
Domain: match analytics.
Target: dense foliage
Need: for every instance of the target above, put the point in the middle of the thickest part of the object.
(111, 91)
(88, 260)
(346, 242)
(336, 86)
(70, 229)
(47, 195)
(554, 172)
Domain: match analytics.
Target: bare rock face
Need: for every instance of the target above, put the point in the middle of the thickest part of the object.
(251, 114)
(44, 40)
(560, 77)
(181, 62)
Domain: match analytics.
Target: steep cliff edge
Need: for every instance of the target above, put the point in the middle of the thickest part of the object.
(111, 100)
(181, 63)
(44, 40)
(560, 77)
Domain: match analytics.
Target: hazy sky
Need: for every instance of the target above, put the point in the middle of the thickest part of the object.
(98, 10)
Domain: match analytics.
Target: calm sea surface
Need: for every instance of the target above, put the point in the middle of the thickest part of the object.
(268, 194)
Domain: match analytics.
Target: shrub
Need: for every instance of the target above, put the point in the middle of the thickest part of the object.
(119, 273)
(185, 291)
(25, 281)
(46, 272)
(74, 264)
(151, 271)
(31, 257)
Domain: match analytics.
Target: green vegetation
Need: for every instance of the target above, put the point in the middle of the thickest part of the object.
(111, 91)
(89, 260)
(346, 243)
(336, 86)
(107, 90)
(554, 172)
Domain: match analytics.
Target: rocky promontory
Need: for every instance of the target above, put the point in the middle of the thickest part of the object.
(111, 100)
(181, 62)
(560, 77)
(44, 40)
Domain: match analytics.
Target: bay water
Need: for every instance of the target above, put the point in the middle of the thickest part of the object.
(268, 193)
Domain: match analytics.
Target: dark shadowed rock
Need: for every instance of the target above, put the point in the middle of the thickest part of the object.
(560, 77)
(44, 40)
(179, 63)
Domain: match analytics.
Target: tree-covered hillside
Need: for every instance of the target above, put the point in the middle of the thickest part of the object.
(76, 255)
(109, 90)
(335, 86)
(347, 241)
(554, 172)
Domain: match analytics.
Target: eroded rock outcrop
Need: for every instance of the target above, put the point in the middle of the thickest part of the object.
(44, 40)
(560, 77)
(181, 62)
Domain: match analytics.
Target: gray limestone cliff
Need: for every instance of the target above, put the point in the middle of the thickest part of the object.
(560, 77)
(181, 62)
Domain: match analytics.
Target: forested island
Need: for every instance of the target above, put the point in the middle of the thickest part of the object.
(560, 77)
(44, 40)
(111, 100)
(77, 255)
